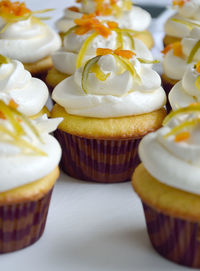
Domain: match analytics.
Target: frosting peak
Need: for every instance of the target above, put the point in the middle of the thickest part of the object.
(111, 86)
(17, 84)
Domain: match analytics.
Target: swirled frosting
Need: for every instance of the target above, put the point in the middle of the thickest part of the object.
(119, 95)
(185, 92)
(28, 40)
(136, 19)
(20, 167)
(174, 66)
(16, 83)
(190, 10)
(65, 59)
(176, 164)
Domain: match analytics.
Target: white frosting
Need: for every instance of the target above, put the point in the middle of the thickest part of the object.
(28, 40)
(119, 95)
(176, 164)
(190, 10)
(18, 168)
(174, 67)
(65, 59)
(16, 83)
(136, 19)
(185, 92)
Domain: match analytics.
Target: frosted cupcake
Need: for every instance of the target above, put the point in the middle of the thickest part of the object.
(178, 56)
(108, 106)
(81, 42)
(123, 12)
(168, 184)
(186, 10)
(187, 91)
(17, 86)
(25, 38)
(29, 159)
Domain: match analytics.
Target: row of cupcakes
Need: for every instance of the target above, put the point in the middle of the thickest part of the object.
(110, 98)
(104, 119)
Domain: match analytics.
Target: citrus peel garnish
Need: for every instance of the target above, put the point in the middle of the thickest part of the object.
(189, 24)
(190, 109)
(15, 118)
(179, 3)
(4, 60)
(73, 8)
(123, 53)
(13, 12)
(182, 136)
(176, 47)
(193, 52)
(99, 73)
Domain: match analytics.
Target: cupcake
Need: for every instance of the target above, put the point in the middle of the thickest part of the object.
(18, 87)
(186, 91)
(81, 42)
(168, 184)
(178, 56)
(123, 12)
(29, 159)
(185, 10)
(26, 38)
(108, 106)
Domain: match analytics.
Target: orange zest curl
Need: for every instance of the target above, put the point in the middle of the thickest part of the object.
(112, 25)
(2, 116)
(75, 9)
(89, 22)
(119, 52)
(182, 136)
(180, 3)
(176, 47)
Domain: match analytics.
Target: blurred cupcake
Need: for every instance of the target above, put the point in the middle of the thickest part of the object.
(25, 38)
(187, 91)
(123, 12)
(17, 86)
(81, 42)
(108, 106)
(178, 56)
(168, 184)
(29, 159)
(186, 10)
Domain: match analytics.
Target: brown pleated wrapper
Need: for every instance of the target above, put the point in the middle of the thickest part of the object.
(22, 224)
(175, 239)
(98, 160)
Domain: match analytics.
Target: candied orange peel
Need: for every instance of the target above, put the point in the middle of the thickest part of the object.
(74, 8)
(89, 22)
(179, 3)
(182, 136)
(176, 47)
(123, 53)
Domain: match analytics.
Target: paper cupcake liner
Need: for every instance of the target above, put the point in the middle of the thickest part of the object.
(98, 160)
(177, 240)
(22, 224)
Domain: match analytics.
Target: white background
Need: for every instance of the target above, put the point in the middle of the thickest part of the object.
(90, 227)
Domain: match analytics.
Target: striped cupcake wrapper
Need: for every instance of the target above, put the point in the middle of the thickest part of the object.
(175, 239)
(98, 160)
(22, 224)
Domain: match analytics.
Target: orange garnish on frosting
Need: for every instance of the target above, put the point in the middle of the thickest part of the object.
(180, 3)
(17, 9)
(182, 136)
(75, 9)
(197, 66)
(13, 104)
(119, 52)
(2, 116)
(176, 47)
(89, 22)
(112, 25)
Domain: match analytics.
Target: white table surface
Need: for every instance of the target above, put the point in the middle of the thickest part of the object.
(90, 227)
